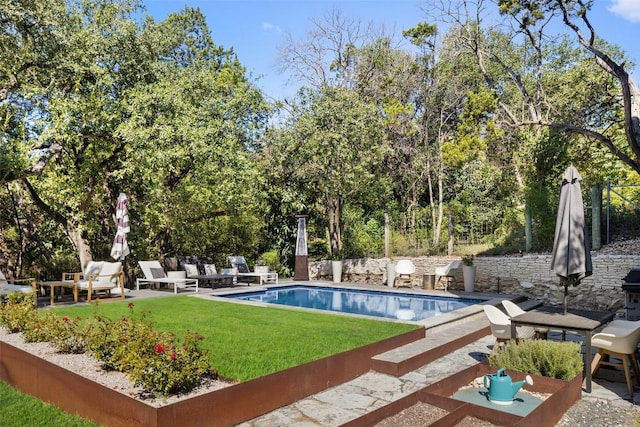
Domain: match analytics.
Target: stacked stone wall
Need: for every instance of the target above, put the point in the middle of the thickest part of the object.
(528, 275)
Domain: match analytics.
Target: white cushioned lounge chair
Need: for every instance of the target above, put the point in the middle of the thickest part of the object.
(261, 273)
(154, 274)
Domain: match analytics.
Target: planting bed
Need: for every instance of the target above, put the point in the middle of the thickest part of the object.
(434, 406)
(76, 394)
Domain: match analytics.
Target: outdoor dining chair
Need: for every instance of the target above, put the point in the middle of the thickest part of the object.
(404, 272)
(501, 327)
(620, 342)
(448, 272)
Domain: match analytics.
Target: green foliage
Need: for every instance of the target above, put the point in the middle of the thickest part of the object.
(467, 259)
(17, 314)
(151, 358)
(476, 125)
(561, 360)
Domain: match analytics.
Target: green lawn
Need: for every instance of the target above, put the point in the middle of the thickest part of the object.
(21, 410)
(247, 342)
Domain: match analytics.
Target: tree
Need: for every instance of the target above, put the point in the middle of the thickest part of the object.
(34, 52)
(332, 150)
(158, 111)
(326, 56)
(574, 15)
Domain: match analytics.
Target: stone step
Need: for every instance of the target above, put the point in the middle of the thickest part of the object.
(436, 344)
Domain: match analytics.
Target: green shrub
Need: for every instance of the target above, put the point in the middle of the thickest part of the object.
(153, 360)
(67, 336)
(17, 313)
(169, 369)
(561, 360)
(40, 326)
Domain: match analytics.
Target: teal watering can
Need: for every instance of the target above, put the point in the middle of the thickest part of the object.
(501, 389)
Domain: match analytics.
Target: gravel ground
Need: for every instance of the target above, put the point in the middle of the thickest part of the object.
(590, 413)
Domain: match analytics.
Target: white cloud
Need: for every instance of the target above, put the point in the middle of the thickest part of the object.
(270, 27)
(628, 9)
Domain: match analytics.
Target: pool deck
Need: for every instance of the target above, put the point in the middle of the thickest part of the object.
(406, 369)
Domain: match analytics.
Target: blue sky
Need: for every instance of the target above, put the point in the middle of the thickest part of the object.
(255, 28)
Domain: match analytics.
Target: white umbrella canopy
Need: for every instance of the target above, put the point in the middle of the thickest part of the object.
(571, 256)
(120, 248)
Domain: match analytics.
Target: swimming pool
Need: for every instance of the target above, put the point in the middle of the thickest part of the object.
(391, 305)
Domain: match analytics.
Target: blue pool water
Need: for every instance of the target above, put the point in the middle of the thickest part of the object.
(390, 305)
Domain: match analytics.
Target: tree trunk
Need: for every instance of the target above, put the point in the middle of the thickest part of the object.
(450, 245)
(81, 245)
(334, 206)
(73, 232)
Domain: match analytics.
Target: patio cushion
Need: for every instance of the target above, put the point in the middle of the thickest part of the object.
(109, 272)
(191, 269)
(210, 269)
(93, 267)
(157, 273)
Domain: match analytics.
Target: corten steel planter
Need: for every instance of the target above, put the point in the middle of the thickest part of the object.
(563, 395)
(225, 407)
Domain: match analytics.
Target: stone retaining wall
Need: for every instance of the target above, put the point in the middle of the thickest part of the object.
(528, 274)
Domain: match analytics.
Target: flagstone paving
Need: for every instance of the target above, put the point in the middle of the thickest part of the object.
(607, 405)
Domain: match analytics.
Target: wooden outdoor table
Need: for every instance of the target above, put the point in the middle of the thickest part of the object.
(52, 285)
(581, 321)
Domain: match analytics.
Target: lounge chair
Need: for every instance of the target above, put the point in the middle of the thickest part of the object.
(8, 286)
(404, 273)
(210, 274)
(98, 278)
(154, 274)
(448, 272)
(501, 327)
(262, 273)
(514, 310)
(621, 342)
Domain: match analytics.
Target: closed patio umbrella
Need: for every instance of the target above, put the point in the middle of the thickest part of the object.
(571, 256)
(120, 248)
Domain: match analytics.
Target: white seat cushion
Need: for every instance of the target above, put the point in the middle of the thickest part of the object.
(191, 269)
(6, 288)
(93, 267)
(109, 273)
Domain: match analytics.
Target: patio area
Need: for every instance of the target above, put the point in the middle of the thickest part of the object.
(453, 342)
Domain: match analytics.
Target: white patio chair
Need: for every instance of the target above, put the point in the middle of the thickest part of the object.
(448, 271)
(110, 277)
(404, 273)
(8, 286)
(263, 275)
(620, 342)
(501, 327)
(514, 310)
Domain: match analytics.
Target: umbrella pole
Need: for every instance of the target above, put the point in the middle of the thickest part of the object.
(566, 293)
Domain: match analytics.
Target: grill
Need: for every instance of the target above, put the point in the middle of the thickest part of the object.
(631, 287)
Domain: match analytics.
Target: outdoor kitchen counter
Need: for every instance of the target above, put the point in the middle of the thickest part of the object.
(580, 321)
